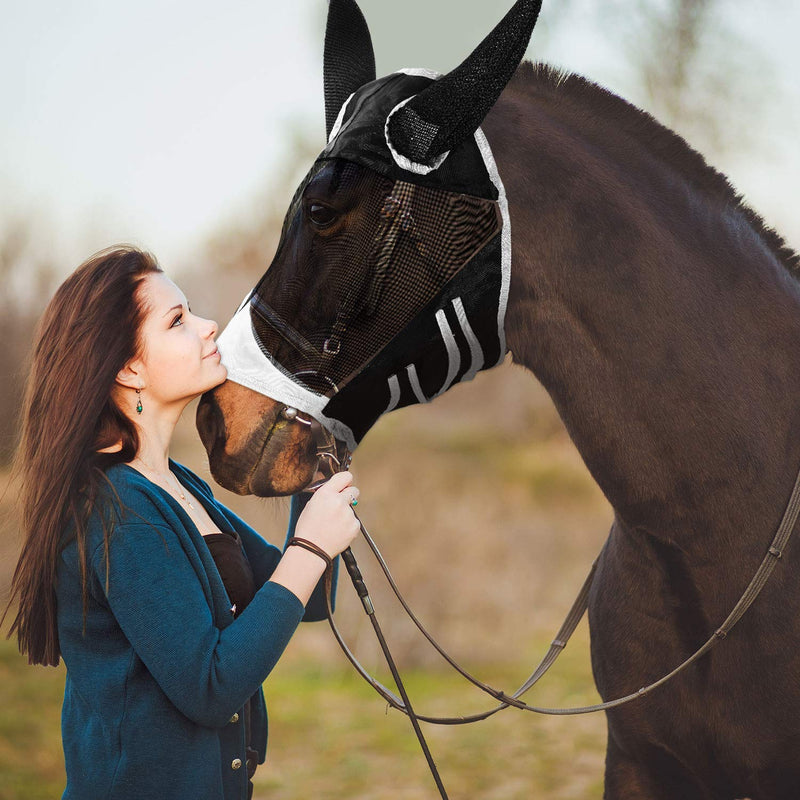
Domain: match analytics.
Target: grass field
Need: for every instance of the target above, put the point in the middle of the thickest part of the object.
(331, 736)
(489, 521)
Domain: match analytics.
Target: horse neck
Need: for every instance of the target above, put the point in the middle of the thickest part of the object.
(663, 327)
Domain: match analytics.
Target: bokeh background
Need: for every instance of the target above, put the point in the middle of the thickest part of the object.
(184, 128)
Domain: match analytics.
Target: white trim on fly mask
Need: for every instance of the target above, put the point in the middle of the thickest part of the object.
(337, 126)
(475, 348)
(453, 361)
(394, 393)
(505, 239)
(402, 161)
(248, 366)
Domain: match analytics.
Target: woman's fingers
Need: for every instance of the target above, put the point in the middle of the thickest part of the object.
(338, 483)
(328, 519)
(341, 483)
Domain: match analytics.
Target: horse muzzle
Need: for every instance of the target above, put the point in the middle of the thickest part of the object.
(253, 448)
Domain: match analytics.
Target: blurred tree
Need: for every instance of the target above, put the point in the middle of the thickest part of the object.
(27, 280)
(686, 62)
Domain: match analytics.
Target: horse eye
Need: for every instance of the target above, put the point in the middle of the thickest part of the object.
(321, 215)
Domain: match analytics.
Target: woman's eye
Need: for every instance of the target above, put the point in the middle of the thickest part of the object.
(177, 321)
(321, 215)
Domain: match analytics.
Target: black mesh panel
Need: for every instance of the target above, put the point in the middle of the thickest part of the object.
(331, 303)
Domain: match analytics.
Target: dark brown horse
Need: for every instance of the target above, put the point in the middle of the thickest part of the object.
(663, 318)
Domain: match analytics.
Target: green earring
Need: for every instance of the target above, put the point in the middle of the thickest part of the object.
(139, 403)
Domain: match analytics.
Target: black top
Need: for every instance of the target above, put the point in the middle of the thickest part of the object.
(234, 568)
(237, 577)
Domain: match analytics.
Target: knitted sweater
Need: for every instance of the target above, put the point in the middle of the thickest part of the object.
(158, 672)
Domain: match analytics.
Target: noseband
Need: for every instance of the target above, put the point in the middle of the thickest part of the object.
(336, 458)
(332, 455)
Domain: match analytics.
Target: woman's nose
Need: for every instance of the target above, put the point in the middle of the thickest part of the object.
(211, 328)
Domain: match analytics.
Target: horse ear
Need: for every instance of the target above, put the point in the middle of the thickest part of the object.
(452, 108)
(349, 58)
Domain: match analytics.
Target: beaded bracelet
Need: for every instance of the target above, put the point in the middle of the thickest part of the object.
(312, 548)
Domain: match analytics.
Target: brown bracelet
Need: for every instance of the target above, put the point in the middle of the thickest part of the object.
(312, 548)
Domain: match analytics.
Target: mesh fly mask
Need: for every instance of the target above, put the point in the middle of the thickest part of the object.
(414, 301)
(425, 307)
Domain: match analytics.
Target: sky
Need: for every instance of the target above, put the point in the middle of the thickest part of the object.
(159, 121)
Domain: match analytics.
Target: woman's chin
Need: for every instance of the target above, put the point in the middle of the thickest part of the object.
(216, 377)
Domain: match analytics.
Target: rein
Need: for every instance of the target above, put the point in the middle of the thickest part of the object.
(326, 446)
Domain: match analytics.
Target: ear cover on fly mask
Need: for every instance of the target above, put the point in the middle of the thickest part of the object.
(418, 303)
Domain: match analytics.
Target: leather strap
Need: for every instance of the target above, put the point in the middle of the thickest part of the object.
(334, 460)
(753, 589)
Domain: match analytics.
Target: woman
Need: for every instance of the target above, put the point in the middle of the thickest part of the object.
(169, 611)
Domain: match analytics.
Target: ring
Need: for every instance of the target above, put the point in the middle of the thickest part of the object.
(353, 501)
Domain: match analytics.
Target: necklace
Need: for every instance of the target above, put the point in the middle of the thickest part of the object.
(164, 482)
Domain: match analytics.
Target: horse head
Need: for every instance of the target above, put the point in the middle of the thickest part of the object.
(391, 277)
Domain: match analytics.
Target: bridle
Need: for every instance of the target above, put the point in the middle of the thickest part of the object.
(332, 455)
(334, 458)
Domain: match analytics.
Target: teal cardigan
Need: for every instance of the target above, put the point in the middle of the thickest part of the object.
(158, 671)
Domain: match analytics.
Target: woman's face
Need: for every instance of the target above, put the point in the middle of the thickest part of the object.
(179, 360)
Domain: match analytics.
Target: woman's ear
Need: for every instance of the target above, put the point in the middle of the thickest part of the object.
(131, 376)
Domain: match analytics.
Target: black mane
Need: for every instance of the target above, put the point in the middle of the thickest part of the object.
(560, 86)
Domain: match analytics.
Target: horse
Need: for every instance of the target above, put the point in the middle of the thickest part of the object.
(662, 316)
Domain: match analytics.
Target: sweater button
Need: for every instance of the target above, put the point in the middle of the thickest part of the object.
(236, 763)
(234, 718)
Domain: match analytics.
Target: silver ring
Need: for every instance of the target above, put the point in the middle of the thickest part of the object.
(353, 501)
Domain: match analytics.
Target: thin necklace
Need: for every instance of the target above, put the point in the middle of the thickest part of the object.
(165, 482)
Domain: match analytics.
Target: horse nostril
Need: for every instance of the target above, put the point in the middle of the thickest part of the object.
(209, 422)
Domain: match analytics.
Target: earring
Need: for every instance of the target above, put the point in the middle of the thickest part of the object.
(139, 402)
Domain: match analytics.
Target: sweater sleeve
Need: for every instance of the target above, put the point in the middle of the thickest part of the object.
(155, 595)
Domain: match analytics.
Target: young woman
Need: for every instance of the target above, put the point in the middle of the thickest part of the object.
(168, 610)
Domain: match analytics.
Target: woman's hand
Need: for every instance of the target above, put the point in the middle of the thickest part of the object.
(328, 519)
(328, 522)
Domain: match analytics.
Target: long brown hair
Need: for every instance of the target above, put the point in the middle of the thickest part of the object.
(88, 332)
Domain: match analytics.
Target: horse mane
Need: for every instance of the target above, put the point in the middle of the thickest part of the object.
(558, 86)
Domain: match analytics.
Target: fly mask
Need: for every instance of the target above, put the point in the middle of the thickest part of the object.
(415, 300)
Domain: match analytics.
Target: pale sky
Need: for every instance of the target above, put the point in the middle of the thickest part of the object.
(158, 121)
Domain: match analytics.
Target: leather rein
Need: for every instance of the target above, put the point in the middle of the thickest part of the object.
(334, 458)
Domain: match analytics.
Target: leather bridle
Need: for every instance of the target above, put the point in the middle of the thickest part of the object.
(331, 454)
